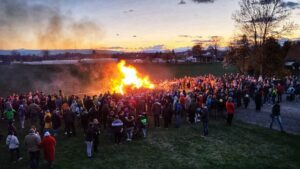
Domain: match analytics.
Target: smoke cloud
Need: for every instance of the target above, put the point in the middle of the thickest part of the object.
(33, 24)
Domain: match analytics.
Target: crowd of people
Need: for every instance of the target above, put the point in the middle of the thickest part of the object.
(128, 117)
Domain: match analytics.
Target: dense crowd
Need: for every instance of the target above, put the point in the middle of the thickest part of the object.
(127, 117)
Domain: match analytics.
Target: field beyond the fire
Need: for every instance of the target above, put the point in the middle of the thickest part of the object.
(240, 146)
(85, 78)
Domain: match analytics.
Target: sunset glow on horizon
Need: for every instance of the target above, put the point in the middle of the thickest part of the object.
(127, 25)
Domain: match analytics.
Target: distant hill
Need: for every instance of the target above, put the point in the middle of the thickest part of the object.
(28, 52)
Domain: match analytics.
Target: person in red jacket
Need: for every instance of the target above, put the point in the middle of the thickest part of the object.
(48, 145)
(229, 110)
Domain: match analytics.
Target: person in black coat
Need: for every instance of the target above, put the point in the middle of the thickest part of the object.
(167, 111)
(89, 138)
(276, 116)
(204, 119)
(258, 100)
(192, 111)
(56, 122)
(96, 129)
(246, 100)
(69, 118)
(104, 113)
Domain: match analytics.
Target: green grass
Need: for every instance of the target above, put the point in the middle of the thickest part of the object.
(239, 146)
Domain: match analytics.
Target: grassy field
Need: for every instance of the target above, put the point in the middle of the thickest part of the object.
(239, 146)
(76, 78)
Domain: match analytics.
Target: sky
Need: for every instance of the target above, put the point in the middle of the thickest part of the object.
(117, 24)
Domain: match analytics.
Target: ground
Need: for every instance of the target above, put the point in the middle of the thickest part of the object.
(239, 146)
(289, 113)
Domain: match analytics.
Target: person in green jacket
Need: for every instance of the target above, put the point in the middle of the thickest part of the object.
(9, 114)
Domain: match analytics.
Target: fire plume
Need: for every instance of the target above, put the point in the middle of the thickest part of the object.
(129, 79)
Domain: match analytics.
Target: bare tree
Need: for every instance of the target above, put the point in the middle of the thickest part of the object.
(262, 19)
(215, 44)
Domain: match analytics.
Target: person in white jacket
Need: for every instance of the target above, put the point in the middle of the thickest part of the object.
(13, 144)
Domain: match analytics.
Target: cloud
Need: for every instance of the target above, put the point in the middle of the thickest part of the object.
(155, 48)
(128, 11)
(291, 5)
(115, 47)
(35, 24)
(184, 36)
(182, 2)
(202, 41)
(286, 4)
(203, 1)
(189, 36)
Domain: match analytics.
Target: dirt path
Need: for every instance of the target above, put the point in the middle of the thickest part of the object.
(290, 114)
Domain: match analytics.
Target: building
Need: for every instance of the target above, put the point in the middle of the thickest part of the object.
(292, 60)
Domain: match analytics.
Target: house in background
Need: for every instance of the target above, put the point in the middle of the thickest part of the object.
(292, 60)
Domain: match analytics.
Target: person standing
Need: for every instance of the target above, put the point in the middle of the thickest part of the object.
(167, 111)
(34, 111)
(129, 124)
(9, 114)
(178, 111)
(13, 144)
(192, 111)
(56, 122)
(258, 100)
(22, 113)
(280, 91)
(89, 137)
(96, 128)
(229, 110)
(276, 116)
(69, 118)
(144, 124)
(32, 141)
(117, 126)
(156, 110)
(204, 119)
(48, 121)
(246, 100)
(48, 145)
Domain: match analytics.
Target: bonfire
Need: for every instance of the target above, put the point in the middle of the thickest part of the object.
(129, 78)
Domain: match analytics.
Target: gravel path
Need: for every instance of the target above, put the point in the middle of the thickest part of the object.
(290, 114)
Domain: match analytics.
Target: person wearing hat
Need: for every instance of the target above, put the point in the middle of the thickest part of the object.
(32, 142)
(48, 145)
(229, 110)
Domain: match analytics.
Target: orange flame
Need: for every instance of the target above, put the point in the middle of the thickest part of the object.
(129, 78)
